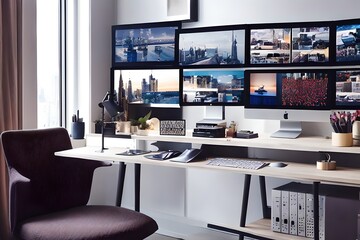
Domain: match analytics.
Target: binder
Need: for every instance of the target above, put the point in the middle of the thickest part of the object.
(285, 211)
(322, 217)
(309, 215)
(276, 210)
(301, 214)
(293, 212)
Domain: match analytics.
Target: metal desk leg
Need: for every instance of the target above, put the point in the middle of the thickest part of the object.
(316, 209)
(137, 186)
(265, 208)
(121, 179)
(245, 201)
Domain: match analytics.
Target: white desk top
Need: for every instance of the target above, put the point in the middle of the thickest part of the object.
(313, 144)
(296, 171)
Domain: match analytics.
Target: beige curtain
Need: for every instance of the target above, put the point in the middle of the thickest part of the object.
(10, 91)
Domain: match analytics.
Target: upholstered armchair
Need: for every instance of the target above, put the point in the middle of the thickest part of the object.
(49, 194)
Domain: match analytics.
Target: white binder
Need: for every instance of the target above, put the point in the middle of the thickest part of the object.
(309, 217)
(276, 211)
(293, 219)
(301, 214)
(285, 211)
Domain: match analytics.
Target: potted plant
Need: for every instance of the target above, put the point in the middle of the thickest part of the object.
(98, 126)
(134, 125)
(143, 125)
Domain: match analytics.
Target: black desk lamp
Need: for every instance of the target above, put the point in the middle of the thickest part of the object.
(113, 110)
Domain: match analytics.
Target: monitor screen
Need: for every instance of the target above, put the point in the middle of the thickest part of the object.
(212, 46)
(310, 44)
(153, 87)
(220, 86)
(270, 46)
(348, 89)
(139, 44)
(298, 89)
(348, 42)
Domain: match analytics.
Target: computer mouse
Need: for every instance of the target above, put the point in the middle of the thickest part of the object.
(278, 164)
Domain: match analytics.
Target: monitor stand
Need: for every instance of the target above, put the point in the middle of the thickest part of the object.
(288, 129)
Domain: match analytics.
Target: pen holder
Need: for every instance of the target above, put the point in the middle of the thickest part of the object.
(77, 130)
(341, 139)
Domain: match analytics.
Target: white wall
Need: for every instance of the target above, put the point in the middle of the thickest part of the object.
(102, 17)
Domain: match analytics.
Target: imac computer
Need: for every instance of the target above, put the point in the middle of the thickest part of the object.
(291, 96)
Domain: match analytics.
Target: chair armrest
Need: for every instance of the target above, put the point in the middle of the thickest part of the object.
(18, 190)
(17, 177)
(73, 179)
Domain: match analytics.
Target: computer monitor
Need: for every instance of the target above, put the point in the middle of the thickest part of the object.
(151, 87)
(348, 41)
(145, 44)
(291, 96)
(347, 89)
(212, 46)
(212, 86)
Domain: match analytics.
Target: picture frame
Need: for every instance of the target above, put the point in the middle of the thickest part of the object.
(146, 44)
(182, 10)
(173, 127)
(212, 46)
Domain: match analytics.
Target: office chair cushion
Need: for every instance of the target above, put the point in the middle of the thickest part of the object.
(89, 222)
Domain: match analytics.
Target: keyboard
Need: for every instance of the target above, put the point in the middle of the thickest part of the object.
(237, 163)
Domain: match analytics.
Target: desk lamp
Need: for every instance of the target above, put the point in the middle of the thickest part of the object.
(113, 110)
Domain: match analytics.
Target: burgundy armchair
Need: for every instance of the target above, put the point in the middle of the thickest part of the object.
(49, 194)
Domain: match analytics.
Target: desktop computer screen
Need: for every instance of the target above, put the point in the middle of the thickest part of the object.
(291, 96)
(212, 86)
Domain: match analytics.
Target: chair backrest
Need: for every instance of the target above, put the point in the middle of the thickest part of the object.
(54, 183)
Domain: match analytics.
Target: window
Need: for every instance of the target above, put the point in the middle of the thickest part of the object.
(48, 64)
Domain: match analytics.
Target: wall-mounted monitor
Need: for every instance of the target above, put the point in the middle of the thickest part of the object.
(212, 46)
(348, 42)
(310, 44)
(212, 86)
(152, 87)
(145, 44)
(270, 45)
(291, 96)
(347, 89)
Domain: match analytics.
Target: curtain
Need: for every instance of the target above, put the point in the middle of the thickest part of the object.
(10, 91)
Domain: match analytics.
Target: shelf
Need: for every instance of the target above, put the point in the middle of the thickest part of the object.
(262, 228)
(311, 144)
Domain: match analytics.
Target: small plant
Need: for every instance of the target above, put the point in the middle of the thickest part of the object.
(134, 122)
(142, 121)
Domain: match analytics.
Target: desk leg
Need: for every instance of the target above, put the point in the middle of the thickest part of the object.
(121, 179)
(316, 209)
(137, 186)
(245, 201)
(265, 208)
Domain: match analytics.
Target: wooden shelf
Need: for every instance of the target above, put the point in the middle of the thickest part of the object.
(262, 228)
(312, 144)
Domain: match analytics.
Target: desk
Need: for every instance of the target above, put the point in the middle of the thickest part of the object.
(296, 171)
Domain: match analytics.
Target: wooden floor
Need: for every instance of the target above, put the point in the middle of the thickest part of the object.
(160, 237)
